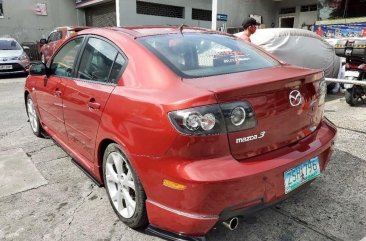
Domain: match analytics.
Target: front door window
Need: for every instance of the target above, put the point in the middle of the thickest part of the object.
(63, 63)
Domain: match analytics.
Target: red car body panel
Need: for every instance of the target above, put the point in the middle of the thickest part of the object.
(220, 175)
(50, 103)
(217, 184)
(84, 104)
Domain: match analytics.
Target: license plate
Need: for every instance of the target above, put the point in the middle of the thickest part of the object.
(6, 67)
(352, 74)
(305, 172)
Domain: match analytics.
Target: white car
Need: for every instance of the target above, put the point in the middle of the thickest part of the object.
(13, 58)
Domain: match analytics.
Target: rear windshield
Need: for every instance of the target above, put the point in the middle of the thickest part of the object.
(197, 55)
(9, 44)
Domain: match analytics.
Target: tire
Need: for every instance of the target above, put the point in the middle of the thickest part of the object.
(124, 188)
(33, 117)
(330, 87)
(350, 99)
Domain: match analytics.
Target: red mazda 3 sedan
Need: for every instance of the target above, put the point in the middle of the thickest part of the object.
(186, 128)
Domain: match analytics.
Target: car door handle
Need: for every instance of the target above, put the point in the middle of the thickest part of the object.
(58, 93)
(94, 105)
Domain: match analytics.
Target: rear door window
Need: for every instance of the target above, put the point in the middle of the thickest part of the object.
(198, 55)
(117, 68)
(54, 36)
(97, 60)
(51, 38)
(58, 36)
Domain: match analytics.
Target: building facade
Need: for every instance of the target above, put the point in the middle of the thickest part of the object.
(341, 18)
(271, 13)
(29, 20)
(174, 12)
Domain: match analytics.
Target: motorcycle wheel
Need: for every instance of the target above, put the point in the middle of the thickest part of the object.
(351, 99)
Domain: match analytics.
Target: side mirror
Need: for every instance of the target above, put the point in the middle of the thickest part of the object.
(38, 69)
(26, 48)
(43, 41)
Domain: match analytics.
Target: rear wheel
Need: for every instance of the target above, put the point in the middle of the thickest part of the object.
(350, 96)
(33, 117)
(124, 189)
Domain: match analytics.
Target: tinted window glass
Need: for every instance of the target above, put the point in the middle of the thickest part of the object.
(97, 60)
(335, 9)
(58, 35)
(63, 62)
(51, 38)
(55, 36)
(9, 44)
(116, 69)
(198, 55)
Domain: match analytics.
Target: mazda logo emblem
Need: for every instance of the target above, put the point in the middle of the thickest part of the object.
(295, 98)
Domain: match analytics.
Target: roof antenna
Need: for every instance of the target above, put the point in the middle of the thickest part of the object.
(181, 27)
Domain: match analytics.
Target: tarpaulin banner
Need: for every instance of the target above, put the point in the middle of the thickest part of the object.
(341, 30)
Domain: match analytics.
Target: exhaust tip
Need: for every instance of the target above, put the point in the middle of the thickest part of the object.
(232, 223)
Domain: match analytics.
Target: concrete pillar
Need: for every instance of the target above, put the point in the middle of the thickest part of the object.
(118, 19)
(214, 15)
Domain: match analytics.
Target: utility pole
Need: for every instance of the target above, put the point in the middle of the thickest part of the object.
(118, 21)
(345, 9)
(214, 15)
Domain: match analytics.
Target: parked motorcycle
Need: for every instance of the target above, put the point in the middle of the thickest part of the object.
(354, 50)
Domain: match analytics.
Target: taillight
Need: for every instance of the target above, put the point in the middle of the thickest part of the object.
(205, 120)
(322, 92)
(322, 95)
(238, 116)
(214, 119)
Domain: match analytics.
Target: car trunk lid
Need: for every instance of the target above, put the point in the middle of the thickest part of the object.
(282, 118)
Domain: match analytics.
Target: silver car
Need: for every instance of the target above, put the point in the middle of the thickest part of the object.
(13, 58)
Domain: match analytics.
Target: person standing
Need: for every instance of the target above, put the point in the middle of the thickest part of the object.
(250, 26)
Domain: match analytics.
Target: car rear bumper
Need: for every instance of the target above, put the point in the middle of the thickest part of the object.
(13, 72)
(222, 188)
(17, 67)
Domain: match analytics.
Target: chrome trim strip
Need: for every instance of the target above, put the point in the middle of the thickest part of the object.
(181, 213)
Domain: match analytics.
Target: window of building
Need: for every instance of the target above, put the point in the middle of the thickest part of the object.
(334, 9)
(201, 14)
(156, 9)
(1, 9)
(309, 8)
(287, 10)
(355, 8)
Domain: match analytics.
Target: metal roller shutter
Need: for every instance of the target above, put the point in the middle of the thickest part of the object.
(101, 15)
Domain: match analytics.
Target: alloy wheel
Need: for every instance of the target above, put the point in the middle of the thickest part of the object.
(121, 184)
(32, 114)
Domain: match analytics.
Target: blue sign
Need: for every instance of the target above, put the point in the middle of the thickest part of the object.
(221, 17)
